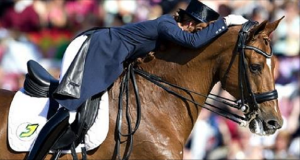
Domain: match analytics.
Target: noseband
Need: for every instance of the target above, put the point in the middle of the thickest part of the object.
(249, 101)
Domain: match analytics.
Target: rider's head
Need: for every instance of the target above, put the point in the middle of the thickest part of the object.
(195, 17)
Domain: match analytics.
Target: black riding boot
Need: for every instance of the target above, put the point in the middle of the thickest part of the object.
(49, 134)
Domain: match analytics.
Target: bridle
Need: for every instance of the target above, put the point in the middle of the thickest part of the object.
(248, 103)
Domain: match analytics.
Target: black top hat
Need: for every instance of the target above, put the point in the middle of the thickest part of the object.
(200, 12)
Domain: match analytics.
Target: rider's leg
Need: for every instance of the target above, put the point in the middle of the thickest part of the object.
(70, 54)
(60, 120)
(55, 126)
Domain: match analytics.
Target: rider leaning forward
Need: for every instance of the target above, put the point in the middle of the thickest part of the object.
(94, 59)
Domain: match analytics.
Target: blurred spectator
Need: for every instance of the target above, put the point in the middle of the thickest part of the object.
(119, 12)
(294, 124)
(42, 29)
(243, 148)
(294, 148)
(280, 148)
(203, 136)
(83, 14)
(286, 36)
(248, 8)
(288, 70)
(21, 17)
(17, 50)
(259, 14)
(224, 10)
(57, 16)
(4, 5)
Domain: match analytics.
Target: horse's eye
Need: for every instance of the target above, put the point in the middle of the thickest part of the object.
(266, 40)
(255, 68)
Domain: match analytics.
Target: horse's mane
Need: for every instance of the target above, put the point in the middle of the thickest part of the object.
(228, 38)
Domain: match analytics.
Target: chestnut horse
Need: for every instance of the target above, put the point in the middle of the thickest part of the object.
(166, 120)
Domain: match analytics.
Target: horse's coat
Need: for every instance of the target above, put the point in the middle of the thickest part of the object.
(167, 121)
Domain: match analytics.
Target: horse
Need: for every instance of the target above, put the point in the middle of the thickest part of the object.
(167, 120)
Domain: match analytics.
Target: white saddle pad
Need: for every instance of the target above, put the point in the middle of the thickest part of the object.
(27, 116)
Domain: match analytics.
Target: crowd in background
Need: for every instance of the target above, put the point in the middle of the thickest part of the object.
(42, 29)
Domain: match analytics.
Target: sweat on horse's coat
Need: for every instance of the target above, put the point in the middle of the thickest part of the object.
(109, 48)
(167, 121)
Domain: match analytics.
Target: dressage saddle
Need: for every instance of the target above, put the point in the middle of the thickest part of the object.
(57, 134)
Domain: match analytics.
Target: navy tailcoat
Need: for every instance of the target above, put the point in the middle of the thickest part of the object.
(110, 47)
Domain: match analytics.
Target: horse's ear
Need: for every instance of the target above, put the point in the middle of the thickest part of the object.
(272, 26)
(257, 29)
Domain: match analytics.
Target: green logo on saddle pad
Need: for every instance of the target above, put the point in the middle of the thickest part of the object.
(31, 128)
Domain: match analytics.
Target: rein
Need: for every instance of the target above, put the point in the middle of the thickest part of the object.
(124, 88)
(248, 102)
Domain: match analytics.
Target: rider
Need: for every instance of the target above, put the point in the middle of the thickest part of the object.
(94, 60)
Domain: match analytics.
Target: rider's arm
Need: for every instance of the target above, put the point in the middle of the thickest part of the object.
(169, 30)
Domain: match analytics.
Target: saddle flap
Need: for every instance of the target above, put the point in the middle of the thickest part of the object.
(85, 118)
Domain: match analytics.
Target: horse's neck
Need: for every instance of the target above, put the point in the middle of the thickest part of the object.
(196, 70)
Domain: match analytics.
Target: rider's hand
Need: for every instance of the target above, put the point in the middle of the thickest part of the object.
(234, 20)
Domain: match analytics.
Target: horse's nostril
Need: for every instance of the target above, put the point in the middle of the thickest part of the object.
(273, 124)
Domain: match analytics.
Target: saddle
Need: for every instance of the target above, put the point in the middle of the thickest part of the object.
(39, 83)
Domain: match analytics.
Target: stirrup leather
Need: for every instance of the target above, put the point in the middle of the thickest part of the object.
(49, 134)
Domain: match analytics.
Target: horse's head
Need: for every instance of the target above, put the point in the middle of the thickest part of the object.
(256, 85)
